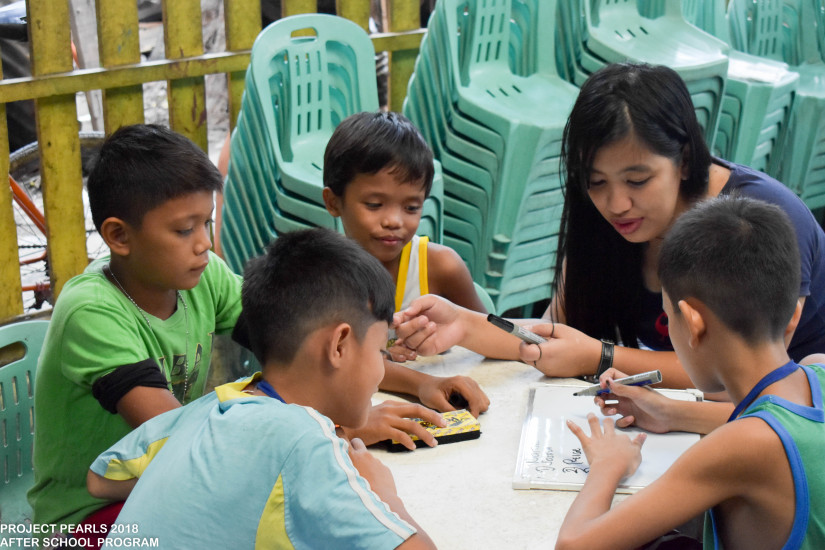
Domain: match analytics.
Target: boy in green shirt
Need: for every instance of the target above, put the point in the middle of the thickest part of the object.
(131, 337)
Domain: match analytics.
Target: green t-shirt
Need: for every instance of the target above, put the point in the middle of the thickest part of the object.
(94, 330)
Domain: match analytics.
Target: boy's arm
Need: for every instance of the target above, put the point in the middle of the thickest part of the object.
(142, 403)
(109, 489)
(434, 391)
(656, 413)
(114, 473)
(393, 420)
(102, 350)
(382, 483)
(740, 460)
(448, 276)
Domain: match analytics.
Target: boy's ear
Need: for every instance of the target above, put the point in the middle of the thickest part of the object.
(115, 233)
(332, 202)
(338, 344)
(794, 322)
(694, 320)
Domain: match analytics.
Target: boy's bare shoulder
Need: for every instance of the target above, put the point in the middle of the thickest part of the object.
(739, 454)
(449, 277)
(446, 270)
(443, 258)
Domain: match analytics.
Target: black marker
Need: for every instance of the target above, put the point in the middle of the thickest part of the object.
(512, 328)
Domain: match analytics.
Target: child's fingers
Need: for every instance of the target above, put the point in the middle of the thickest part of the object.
(406, 429)
(577, 431)
(626, 421)
(607, 426)
(595, 427)
(640, 439)
(357, 445)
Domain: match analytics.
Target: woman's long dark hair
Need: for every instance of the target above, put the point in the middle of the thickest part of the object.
(602, 271)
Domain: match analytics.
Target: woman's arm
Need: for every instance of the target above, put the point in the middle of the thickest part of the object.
(433, 324)
(569, 352)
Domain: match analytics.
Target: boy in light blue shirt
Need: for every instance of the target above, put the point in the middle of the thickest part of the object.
(258, 462)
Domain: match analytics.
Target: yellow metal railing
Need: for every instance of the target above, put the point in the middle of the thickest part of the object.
(54, 83)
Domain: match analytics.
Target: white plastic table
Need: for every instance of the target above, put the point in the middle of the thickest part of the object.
(461, 493)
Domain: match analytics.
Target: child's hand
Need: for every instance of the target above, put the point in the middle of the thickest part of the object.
(372, 469)
(638, 405)
(401, 353)
(606, 447)
(429, 326)
(392, 420)
(435, 392)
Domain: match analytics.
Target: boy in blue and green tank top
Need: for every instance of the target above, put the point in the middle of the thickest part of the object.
(729, 270)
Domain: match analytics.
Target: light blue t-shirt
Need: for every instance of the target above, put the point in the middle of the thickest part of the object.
(232, 470)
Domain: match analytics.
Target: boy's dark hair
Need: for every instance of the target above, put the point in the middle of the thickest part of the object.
(739, 256)
(366, 143)
(306, 280)
(140, 167)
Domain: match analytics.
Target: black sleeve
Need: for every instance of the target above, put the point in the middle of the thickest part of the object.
(109, 389)
(240, 334)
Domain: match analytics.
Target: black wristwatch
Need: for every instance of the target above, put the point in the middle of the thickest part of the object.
(607, 358)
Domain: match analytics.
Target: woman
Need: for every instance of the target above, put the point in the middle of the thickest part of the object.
(635, 160)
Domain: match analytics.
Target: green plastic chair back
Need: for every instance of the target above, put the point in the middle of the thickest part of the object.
(616, 30)
(305, 85)
(758, 95)
(783, 30)
(307, 73)
(17, 419)
(483, 79)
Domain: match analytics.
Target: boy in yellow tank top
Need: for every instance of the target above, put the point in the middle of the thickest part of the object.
(378, 171)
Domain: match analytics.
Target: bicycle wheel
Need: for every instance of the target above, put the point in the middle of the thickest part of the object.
(24, 168)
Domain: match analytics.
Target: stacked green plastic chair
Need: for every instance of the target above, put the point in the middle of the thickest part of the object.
(650, 31)
(758, 95)
(488, 98)
(306, 74)
(788, 31)
(17, 424)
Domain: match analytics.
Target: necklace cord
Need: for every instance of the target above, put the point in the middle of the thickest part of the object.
(179, 296)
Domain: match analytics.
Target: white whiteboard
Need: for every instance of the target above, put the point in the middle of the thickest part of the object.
(551, 457)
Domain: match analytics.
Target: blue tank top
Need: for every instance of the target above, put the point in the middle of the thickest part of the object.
(802, 432)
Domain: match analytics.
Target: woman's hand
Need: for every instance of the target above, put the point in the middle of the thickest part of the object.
(568, 352)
